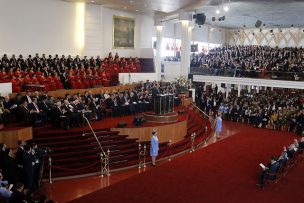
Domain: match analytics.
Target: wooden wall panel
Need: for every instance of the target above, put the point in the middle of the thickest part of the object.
(174, 132)
(11, 137)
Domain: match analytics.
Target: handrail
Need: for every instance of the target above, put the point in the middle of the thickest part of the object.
(205, 114)
(93, 132)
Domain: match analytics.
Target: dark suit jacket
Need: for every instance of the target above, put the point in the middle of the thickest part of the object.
(16, 197)
(28, 167)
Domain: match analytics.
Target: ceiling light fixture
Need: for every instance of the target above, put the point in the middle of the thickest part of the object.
(226, 7)
(218, 11)
(131, 2)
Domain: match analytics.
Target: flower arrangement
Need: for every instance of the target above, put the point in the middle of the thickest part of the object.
(182, 84)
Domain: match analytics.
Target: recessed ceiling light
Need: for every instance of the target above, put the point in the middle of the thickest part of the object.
(125, 7)
(92, 1)
(137, 10)
(131, 2)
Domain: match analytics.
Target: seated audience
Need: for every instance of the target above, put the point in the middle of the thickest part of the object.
(269, 172)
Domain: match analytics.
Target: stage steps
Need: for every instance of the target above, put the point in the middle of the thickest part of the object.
(75, 154)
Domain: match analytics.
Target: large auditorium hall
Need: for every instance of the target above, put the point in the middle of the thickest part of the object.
(126, 101)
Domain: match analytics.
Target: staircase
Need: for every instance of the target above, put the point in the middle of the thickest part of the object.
(76, 154)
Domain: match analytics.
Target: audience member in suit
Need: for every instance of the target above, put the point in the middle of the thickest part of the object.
(9, 110)
(10, 169)
(19, 152)
(44, 107)
(24, 112)
(58, 115)
(28, 167)
(95, 108)
(2, 154)
(36, 113)
(301, 144)
(269, 172)
(284, 157)
(72, 115)
(291, 151)
(18, 194)
(27, 98)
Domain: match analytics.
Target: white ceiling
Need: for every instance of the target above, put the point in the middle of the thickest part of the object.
(274, 13)
(147, 7)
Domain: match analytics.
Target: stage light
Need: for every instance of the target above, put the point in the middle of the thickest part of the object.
(226, 8)
(80, 26)
(218, 11)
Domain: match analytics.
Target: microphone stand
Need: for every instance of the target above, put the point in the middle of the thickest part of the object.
(83, 116)
(129, 77)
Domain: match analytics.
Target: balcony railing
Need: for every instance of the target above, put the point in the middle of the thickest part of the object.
(262, 74)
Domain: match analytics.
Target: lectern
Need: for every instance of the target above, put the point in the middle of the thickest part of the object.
(163, 104)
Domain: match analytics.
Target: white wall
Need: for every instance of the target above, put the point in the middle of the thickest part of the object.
(49, 26)
(143, 32)
(200, 34)
(30, 26)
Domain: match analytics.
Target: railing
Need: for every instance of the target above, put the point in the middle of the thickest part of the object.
(212, 121)
(263, 74)
(104, 156)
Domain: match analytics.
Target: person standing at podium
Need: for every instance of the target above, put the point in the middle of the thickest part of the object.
(154, 147)
(155, 92)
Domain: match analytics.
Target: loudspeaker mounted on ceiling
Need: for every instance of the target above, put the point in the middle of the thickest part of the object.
(200, 18)
(258, 24)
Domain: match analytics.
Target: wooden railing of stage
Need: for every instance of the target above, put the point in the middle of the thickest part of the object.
(63, 92)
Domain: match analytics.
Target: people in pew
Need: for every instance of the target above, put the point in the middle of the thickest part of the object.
(57, 73)
(280, 109)
(252, 61)
(38, 109)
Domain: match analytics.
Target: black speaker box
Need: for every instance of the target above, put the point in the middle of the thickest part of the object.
(122, 124)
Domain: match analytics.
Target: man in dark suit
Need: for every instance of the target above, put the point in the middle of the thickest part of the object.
(10, 169)
(28, 167)
(301, 143)
(269, 172)
(24, 112)
(58, 115)
(44, 107)
(2, 154)
(36, 113)
(95, 108)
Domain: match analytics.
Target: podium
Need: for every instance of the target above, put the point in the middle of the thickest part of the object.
(163, 104)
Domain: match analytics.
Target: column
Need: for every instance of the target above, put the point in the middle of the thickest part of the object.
(159, 39)
(185, 52)
(258, 89)
(239, 90)
(227, 90)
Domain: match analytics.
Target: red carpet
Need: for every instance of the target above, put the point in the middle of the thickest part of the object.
(223, 172)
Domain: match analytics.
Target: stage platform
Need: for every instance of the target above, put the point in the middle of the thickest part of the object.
(164, 118)
(174, 131)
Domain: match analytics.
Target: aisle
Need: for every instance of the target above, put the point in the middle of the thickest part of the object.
(223, 172)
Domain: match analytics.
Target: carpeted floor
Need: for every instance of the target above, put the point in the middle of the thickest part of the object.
(223, 172)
